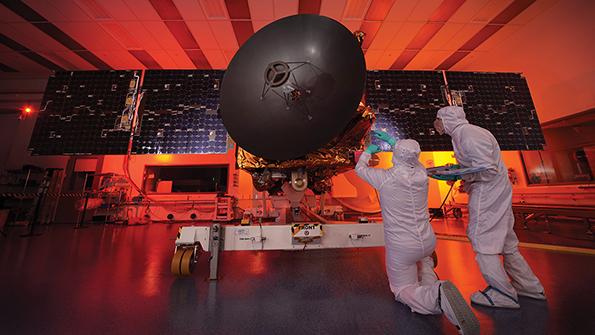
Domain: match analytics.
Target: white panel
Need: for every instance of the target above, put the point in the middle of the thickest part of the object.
(216, 58)
(115, 9)
(28, 35)
(468, 11)
(201, 30)
(489, 11)
(333, 8)
(20, 62)
(180, 58)
(141, 34)
(163, 58)
(162, 35)
(143, 10)
(499, 37)
(427, 60)
(405, 35)
(214, 9)
(285, 8)
(387, 59)
(190, 10)
(90, 35)
(261, 10)
(442, 39)
(119, 60)
(423, 10)
(372, 57)
(224, 34)
(463, 35)
(471, 63)
(536, 9)
(356, 9)
(401, 10)
(385, 35)
(59, 10)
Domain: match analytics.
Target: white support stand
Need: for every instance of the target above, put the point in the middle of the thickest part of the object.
(298, 236)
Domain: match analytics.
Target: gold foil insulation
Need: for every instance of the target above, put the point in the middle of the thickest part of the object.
(336, 157)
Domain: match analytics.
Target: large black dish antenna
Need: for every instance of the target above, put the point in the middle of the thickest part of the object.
(292, 87)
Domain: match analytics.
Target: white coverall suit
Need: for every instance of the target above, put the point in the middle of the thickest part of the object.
(491, 219)
(409, 238)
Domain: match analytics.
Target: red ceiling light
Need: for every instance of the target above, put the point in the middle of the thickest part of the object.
(25, 112)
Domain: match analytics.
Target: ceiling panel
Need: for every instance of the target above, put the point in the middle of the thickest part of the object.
(490, 10)
(385, 35)
(163, 58)
(372, 58)
(423, 10)
(442, 39)
(115, 9)
(468, 11)
(261, 10)
(356, 9)
(352, 25)
(190, 10)
(533, 11)
(283, 8)
(333, 9)
(143, 10)
(404, 35)
(119, 59)
(388, 58)
(225, 35)
(503, 34)
(401, 10)
(201, 30)
(427, 59)
(58, 10)
(216, 58)
(19, 62)
(463, 35)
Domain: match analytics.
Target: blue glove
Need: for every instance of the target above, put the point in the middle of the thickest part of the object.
(454, 166)
(384, 137)
(372, 149)
(445, 177)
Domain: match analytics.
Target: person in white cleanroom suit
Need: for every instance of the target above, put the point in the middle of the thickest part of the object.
(409, 238)
(491, 219)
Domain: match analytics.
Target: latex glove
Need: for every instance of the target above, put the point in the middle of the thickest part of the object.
(384, 137)
(372, 149)
(454, 166)
(445, 177)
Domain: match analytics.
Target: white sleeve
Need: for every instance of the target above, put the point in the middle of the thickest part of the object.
(374, 177)
(480, 150)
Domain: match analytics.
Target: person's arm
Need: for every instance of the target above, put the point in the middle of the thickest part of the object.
(480, 150)
(374, 177)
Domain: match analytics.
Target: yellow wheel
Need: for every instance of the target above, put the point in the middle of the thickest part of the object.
(187, 264)
(183, 262)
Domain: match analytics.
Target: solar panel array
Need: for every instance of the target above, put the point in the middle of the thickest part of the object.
(79, 113)
(501, 103)
(406, 103)
(179, 113)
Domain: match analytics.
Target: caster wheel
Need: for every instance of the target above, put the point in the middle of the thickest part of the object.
(182, 263)
(457, 212)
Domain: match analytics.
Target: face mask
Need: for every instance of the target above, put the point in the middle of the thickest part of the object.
(439, 126)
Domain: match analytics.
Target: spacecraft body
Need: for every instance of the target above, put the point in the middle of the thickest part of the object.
(291, 100)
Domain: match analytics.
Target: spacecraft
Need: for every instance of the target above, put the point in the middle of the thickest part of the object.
(291, 99)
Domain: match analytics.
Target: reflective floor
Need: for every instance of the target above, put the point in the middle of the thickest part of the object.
(116, 280)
